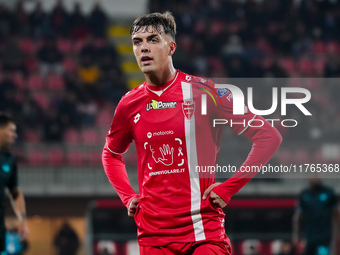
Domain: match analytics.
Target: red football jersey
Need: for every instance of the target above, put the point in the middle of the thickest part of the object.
(172, 138)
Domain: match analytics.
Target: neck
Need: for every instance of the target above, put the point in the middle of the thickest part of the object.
(162, 77)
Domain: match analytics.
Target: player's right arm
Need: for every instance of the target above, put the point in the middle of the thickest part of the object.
(117, 142)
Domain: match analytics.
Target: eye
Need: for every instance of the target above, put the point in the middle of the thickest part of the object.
(137, 42)
(154, 40)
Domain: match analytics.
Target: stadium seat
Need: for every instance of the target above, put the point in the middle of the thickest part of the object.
(55, 82)
(332, 47)
(78, 45)
(71, 136)
(18, 79)
(216, 64)
(288, 64)
(75, 158)
(104, 119)
(27, 46)
(31, 136)
(35, 157)
(65, 46)
(42, 100)
(94, 158)
(35, 82)
(69, 65)
(306, 66)
(31, 64)
(264, 46)
(55, 157)
(90, 136)
(319, 66)
(98, 43)
(319, 48)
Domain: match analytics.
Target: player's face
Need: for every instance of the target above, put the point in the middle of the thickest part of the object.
(8, 134)
(152, 50)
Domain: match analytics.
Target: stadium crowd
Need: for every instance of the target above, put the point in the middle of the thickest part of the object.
(60, 71)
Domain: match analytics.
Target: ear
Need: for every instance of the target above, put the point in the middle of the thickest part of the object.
(172, 48)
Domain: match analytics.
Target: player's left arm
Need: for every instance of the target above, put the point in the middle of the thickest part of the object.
(266, 140)
(18, 204)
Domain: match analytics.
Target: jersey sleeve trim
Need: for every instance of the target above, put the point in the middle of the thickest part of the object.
(247, 125)
(107, 146)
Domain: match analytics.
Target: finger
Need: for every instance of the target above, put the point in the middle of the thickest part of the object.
(208, 190)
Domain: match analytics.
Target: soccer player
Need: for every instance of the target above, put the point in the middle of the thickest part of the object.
(178, 209)
(8, 179)
(318, 209)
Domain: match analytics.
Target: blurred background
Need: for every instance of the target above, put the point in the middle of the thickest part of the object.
(65, 65)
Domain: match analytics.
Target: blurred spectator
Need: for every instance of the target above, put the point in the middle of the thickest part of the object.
(236, 67)
(233, 46)
(112, 86)
(39, 21)
(98, 21)
(6, 22)
(89, 51)
(8, 100)
(13, 57)
(59, 20)
(108, 57)
(88, 70)
(32, 113)
(275, 70)
(87, 110)
(21, 18)
(66, 240)
(78, 23)
(68, 110)
(332, 67)
(50, 58)
(53, 126)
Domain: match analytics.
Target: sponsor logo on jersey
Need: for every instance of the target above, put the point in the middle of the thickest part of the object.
(159, 133)
(188, 108)
(159, 105)
(137, 117)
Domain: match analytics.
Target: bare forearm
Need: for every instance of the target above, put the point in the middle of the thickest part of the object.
(18, 204)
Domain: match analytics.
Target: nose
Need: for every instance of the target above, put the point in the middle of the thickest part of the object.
(144, 48)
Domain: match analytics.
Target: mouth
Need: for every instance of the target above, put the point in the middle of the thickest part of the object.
(146, 60)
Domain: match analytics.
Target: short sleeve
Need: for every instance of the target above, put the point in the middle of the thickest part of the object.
(239, 123)
(12, 182)
(120, 136)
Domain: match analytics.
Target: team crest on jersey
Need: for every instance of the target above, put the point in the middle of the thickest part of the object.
(222, 91)
(159, 105)
(6, 168)
(188, 108)
(225, 92)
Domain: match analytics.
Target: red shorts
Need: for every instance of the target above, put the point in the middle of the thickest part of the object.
(194, 248)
